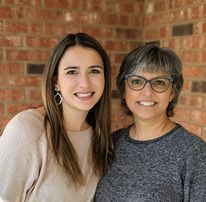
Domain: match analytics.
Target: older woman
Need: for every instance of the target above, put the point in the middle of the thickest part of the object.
(156, 158)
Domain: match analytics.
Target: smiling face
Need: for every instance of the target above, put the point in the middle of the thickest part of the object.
(146, 104)
(80, 79)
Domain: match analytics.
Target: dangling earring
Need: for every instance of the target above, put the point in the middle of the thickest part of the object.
(58, 97)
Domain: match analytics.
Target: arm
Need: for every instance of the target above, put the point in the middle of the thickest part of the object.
(195, 180)
(19, 159)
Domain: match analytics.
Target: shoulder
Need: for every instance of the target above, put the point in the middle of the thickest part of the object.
(189, 143)
(120, 134)
(26, 125)
(188, 138)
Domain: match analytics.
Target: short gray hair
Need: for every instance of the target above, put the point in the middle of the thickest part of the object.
(152, 58)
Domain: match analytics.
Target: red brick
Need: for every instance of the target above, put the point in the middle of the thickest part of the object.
(127, 7)
(114, 72)
(41, 42)
(9, 2)
(110, 19)
(187, 86)
(116, 45)
(178, 3)
(151, 34)
(71, 4)
(189, 56)
(136, 21)
(24, 81)
(186, 42)
(203, 117)
(163, 32)
(42, 14)
(87, 18)
(204, 11)
(11, 95)
(119, 57)
(23, 55)
(154, 20)
(193, 13)
(18, 107)
(104, 32)
(5, 12)
(35, 28)
(191, 101)
(197, 28)
(11, 41)
(123, 19)
(122, 33)
(1, 26)
(23, 2)
(16, 27)
(189, 2)
(138, 6)
(160, 6)
(97, 6)
(1, 54)
(11, 68)
(194, 71)
(59, 29)
(198, 42)
(33, 94)
(1, 108)
(178, 16)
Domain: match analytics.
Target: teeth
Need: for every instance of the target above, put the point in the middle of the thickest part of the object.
(147, 103)
(82, 95)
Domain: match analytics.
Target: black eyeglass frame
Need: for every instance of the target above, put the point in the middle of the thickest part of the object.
(171, 80)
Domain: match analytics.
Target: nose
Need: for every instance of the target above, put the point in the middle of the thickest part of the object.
(147, 90)
(84, 80)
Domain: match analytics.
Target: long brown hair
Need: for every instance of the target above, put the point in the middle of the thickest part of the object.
(98, 117)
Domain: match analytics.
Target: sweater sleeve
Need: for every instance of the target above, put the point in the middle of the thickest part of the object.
(195, 179)
(20, 160)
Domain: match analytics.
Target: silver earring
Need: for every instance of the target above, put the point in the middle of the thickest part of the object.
(58, 98)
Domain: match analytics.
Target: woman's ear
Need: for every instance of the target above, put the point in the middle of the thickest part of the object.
(56, 85)
(172, 94)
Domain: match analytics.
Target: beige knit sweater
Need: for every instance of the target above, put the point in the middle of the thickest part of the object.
(28, 169)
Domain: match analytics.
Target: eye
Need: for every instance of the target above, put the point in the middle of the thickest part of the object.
(71, 72)
(160, 82)
(136, 81)
(95, 70)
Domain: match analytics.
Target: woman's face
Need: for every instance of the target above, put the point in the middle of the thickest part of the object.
(80, 79)
(146, 104)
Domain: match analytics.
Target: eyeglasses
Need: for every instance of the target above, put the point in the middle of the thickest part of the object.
(158, 84)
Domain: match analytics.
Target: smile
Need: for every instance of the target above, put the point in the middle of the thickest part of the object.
(147, 103)
(84, 95)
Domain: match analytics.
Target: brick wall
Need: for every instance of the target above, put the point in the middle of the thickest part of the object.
(30, 29)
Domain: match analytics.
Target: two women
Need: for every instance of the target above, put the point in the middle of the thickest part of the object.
(58, 152)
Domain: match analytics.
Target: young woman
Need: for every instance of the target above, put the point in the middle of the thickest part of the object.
(58, 152)
(156, 158)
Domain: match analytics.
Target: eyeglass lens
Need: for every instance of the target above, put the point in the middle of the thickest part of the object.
(160, 84)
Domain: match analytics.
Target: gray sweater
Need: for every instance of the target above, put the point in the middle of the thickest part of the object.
(170, 168)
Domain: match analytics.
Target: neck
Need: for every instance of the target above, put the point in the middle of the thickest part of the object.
(151, 130)
(75, 121)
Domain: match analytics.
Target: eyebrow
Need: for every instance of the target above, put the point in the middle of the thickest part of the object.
(77, 67)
